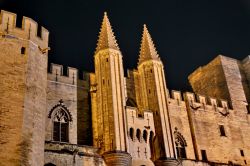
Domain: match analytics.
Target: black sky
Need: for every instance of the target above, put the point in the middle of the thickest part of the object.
(187, 33)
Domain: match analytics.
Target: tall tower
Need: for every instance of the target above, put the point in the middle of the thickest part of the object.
(154, 97)
(109, 114)
(23, 83)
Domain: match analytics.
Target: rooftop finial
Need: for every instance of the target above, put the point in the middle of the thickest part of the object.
(147, 50)
(106, 36)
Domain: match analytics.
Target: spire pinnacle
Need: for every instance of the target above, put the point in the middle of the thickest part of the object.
(106, 36)
(147, 50)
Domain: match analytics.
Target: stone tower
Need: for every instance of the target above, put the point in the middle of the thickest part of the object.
(226, 80)
(109, 114)
(23, 82)
(154, 95)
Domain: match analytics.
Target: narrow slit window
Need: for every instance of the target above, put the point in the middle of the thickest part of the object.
(23, 49)
(204, 155)
(242, 153)
(222, 131)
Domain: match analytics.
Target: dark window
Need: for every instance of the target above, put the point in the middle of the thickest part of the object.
(181, 152)
(180, 145)
(222, 130)
(151, 138)
(138, 134)
(56, 131)
(64, 132)
(145, 135)
(151, 71)
(204, 155)
(103, 81)
(60, 129)
(107, 60)
(149, 91)
(245, 161)
(131, 133)
(23, 49)
(242, 153)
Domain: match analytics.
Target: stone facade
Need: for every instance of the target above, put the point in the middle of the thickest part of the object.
(52, 118)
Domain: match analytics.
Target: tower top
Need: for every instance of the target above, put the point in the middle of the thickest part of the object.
(106, 36)
(147, 50)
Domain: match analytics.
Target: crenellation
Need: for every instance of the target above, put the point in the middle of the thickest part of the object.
(28, 31)
(56, 69)
(72, 77)
(176, 95)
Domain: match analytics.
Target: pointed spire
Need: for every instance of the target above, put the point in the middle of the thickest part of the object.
(106, 36)
(147, 50)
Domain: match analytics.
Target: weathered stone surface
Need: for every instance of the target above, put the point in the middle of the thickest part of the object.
(126, 121)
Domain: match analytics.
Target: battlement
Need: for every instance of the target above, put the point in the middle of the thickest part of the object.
(72, 76)
(28, 31)
(200, 100)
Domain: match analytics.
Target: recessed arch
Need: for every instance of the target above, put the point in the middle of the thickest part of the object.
(131, 133)
(60, 116)
(145, 135)
(138, 134)
(180, 144)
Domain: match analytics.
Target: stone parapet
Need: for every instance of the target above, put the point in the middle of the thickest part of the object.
(28, 30)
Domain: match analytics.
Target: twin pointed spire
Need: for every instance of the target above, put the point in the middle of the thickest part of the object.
(106, 36)
(147, 50)
(107, 40)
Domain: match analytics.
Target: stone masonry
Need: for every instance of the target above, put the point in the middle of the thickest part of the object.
(107, 119)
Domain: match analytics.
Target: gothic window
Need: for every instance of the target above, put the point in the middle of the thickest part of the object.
(61, 126)
(222, 130)
(138, 134)
(61, 117)
(131, 133)
(180, 144)
(145, 135)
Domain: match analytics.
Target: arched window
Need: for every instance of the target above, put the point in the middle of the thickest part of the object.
(61, 117)
(61, 126)
(138, 134)
(145, 135)
(151, 139)
(180, 144)
(131, 133)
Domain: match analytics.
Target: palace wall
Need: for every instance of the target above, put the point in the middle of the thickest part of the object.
(74, 95)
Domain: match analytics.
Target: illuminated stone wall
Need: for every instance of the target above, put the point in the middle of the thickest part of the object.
(23, 81)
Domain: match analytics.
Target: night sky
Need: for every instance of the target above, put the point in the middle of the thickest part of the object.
(187, 33)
